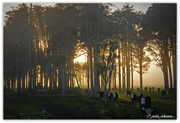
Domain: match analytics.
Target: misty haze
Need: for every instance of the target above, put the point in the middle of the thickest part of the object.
(90, 61)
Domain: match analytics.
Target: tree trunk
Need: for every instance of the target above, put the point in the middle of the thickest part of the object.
(115, 76)
(29, 81)
(18, 84)
(8, 83)
(110, 74)
(18, 65)
(55, 80)
(50, 79)
(46, 74)
(165, 63)
(35, 74)
(76, 79)
(63, 79)
(59, 80)
(131, 69)
(88, 71)
(23, 74)
(123, 69)
(119, 66)
(105, 93)
(102, 83)
(140, 67)
(12, 84)
(70, 76)
(91, 70)
(170, 73)
(127, 66)
(96, 75)
(52, 73)
(71, 80)
(175, 62)
(35, 67)
(42, 71)
(29, 49)
(23, 81)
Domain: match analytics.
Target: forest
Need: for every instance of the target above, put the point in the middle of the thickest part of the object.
(41, 44)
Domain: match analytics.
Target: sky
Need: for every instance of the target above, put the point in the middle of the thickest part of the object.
(137, 6)
(153, 77)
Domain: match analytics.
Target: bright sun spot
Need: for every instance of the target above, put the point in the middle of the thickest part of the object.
(81, 58)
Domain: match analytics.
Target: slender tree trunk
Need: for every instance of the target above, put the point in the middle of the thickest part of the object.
(170, 73)
(91, 70)
(34, 79)
(96, 75)
(119, 66)
(12, 84)
(76, 79)
(59, 79)
(35, 67)
(115, 76)
(8, 83)
(110, 75)
(50, 78)
(68, 72)
(102, 83)
(18, 82)
(55, 80)
(63, 79)
(175, 62)
(88, 71)
(23, 81)
(127, 66)
(42, 70)
(35, 73)
(46, 74)
(29, 50)
(109, 85)
(70, 76)
(165, 64)
(29, 81)
(140, 67)
(123, 69)
(131, 69)
(23, 73)
(165, 73)
(18, 64)
(105, 93)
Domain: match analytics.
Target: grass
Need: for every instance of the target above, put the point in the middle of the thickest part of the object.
(81, 107)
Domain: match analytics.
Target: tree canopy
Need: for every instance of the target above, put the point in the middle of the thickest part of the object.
(41, 42)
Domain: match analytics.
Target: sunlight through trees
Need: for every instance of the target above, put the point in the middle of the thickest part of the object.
(53, 49)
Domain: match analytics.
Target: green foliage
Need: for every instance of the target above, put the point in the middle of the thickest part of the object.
(107, 58)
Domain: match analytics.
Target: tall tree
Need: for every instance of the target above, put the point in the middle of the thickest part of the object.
(107, 63)
(161, 21)
(141, 60)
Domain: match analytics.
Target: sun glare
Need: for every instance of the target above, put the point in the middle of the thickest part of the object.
(81, 58)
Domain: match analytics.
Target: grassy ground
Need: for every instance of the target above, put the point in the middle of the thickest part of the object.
(81, 107)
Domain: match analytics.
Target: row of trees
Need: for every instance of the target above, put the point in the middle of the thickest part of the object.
(40, 44)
